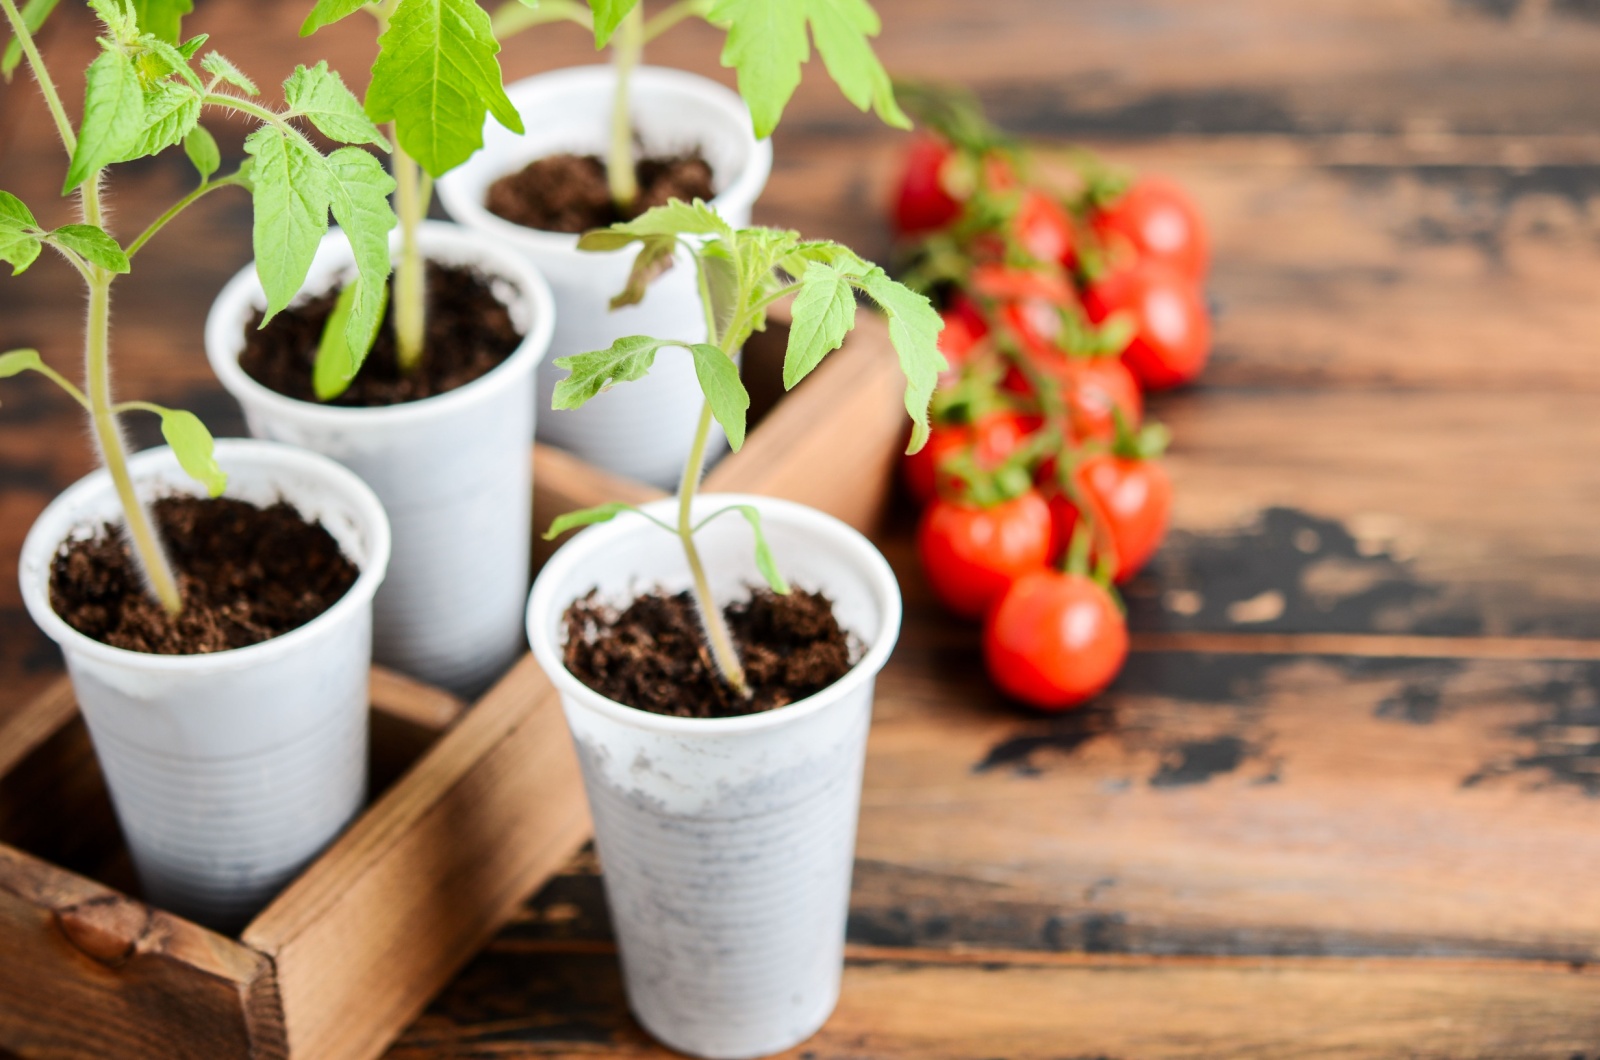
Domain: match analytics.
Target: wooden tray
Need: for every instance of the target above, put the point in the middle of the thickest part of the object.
(475, 809)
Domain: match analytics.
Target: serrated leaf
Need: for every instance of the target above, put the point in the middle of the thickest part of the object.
(19, 234)
(192, 445)
(119, 18)
(337, 358)
(320, 96)
(15, 362)
(219, 66)
(201, 147)
(93, 245)
(327, 12)
(171, 110)
(113, 116)
(914, 327)
(766, 45)
(608, 15)
(361, 190)
(724, 390)
(436, 77)
(649, 265)
(34, 13)
(600, 513)
(841, 29)
(627, 359)
(163, 18)
(837, 255)
(824, 312)
(676, 218)
(292, 191)
(764, 561)
(14, 213)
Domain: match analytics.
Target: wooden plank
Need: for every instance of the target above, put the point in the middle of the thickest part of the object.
(567, 1001)
(155, 984)
(382, 920)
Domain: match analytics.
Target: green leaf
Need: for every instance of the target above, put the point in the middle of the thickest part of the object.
(722, 284)
(201, 147)
(602, 513)
(338, 359)
(119, 17)
(15, 362)
(320, 95)
(19, 234)
(766, 45)
(219, 66)
(192, 445)
(327, 12)
(608, 15)
(292, 191)
(914, 327)
(649, 265)
(676, 218)
(93, 244)
(163, 18)
(361, 189)
(436, 77)
(841, 29)
(189, 48)
(113, 116)
(34, 13)
(171, 110)
(824, 313)
(14, 213)
(627, 359)
(724, 390)
(764, 561)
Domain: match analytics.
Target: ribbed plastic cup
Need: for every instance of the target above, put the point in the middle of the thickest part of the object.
(643, 429)
(454, 471)
(726, 844)
(229, 771)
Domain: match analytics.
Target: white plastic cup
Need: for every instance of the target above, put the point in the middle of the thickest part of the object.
(229, 771)
(644, 429)
(454, 471)
(726, 844)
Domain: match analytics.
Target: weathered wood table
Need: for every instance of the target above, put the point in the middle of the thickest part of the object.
(1345, 801)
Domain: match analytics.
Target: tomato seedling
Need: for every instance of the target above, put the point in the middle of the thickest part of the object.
(145, 93)
(435, 79)
(767, 43)
(740, 274)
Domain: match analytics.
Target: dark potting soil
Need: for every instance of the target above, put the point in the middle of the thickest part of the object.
(247, 574)
(469, 334)
(653, 655)
(568, 193)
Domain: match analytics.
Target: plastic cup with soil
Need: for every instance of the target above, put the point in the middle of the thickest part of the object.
(444, 445)
(233, 734)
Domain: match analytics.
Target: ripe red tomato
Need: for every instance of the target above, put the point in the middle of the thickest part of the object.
(1161, 223)
(921, 203)
(1172, 330)
(993, 437)
(1043, 228)
(971, 555)
(1096, 386)
(1132, 503)
(962, 331)
(1008, 283)
(1054, 640)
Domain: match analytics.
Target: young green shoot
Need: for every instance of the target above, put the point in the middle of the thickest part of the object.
(434, 81)
(741, 273)
(768, 41)
(145, 92)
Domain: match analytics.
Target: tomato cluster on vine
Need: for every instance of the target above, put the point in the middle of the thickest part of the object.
(1041, 485)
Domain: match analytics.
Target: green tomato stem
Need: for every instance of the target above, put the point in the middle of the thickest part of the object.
(514, 16)
(52, 98)
(178, 207)
(717, 635)
(627, 49)
(410, 292)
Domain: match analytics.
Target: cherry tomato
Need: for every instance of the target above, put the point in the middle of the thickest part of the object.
(1054, 640)
(1008, 283)
(993, 437)
(962, 331)
(1132, 503)
(971, 555)
(1172, 330)
(1043, 228)
(1096, 386)
(1159, 221)
(921, 203)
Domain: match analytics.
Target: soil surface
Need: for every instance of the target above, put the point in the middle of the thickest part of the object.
(247, 574)
(469, 334)
(652, 655)
(568, 193)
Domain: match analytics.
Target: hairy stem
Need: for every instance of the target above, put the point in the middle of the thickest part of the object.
(178, 207)
(717, 635)
(141, 532)
(627, 49)
(410, 292)
(52, 98)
